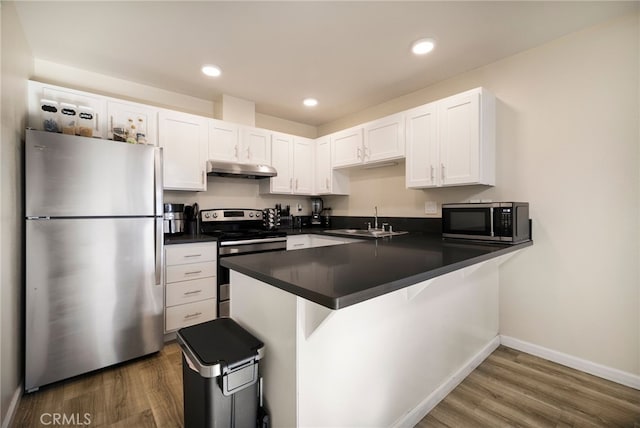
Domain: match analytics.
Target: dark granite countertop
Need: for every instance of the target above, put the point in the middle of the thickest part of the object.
(186, 238)
(343, 275)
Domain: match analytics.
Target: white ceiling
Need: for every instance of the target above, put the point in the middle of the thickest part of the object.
(349, 55)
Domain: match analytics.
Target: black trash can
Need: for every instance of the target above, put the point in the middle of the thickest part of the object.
(220, 375)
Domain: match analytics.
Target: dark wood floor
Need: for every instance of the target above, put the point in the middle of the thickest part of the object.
(509, 389)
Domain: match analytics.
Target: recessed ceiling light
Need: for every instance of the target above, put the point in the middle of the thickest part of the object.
(211, 70)
(423, 46)
(310, 102)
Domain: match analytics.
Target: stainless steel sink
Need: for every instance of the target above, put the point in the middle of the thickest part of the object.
(371, 233)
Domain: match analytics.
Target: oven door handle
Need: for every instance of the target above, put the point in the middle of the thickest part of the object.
(252, 241)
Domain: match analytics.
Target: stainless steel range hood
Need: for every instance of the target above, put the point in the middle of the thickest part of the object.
(240, 170)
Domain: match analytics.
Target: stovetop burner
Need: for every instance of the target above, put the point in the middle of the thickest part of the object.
(235, 223)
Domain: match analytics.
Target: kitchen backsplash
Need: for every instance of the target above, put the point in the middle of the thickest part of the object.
(381, 187)
(237, 193)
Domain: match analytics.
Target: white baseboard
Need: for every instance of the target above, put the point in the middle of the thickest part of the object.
(608, 373)
(410, 419)
(13, 407)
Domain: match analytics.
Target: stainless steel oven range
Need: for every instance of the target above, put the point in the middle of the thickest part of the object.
(239, 231)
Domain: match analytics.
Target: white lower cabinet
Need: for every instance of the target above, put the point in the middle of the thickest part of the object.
(177, 317)
(298, 242)
(190, 289)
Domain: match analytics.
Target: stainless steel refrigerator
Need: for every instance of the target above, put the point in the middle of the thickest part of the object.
(94, 265)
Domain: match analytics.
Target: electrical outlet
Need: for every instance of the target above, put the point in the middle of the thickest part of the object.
(431, 207)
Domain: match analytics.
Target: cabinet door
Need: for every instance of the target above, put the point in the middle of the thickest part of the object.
(190, 253)
(181, 316)
(282, 160)
(298, 242)
(143, 117)
(459, 135)
(223, 141)
(384, 139)
(323, 166)
(346, 148)
(422, 164)
(255, 146)
(183, 138)
(39, 91)
(302, 166)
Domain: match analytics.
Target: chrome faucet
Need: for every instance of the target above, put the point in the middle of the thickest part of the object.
(375, 218)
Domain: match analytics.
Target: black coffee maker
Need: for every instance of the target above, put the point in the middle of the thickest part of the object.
(191, 217)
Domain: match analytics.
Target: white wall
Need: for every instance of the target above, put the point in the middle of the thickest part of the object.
(17, 65)
(567, 142)
(83, 80)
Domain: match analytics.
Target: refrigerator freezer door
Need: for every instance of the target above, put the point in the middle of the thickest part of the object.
(91, 295)
(69, 176)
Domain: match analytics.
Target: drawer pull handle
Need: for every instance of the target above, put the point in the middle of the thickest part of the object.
(298, 245)
(193, 273)
(192, 292)
(197, 314)
(193, 255)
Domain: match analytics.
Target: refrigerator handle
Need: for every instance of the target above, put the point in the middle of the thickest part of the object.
(158, 181)
(159, 250)
(159, 215)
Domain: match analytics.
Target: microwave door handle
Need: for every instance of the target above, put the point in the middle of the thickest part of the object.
(491, 221)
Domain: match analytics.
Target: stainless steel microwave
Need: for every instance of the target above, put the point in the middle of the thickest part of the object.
(506, 222)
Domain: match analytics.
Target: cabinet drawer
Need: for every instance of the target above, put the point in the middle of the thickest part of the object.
(190, 271)
(183, 292)
(189, 314)
(190, 253)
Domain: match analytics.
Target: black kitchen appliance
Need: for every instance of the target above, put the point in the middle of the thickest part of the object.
(316, 211)
(239, 231)
(325, 218)
(506, 222)
(173, 219)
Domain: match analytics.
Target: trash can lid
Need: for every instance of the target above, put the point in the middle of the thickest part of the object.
(221, 341)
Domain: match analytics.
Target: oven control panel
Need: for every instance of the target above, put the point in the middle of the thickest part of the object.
(232, 215)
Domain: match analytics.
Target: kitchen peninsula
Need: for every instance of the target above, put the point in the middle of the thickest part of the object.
(372, 333)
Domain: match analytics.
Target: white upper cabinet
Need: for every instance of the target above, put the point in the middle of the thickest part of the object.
(384, 139)
(346, 147)
(229, 142)
(377, 141)
(95, 105)
(255, 146)
(463, 128)
(282, 161)
(224, 141)
(303, 170)
(292, 157)
(327, 180)
(422, 147)
(184, 139)
(144, 118)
